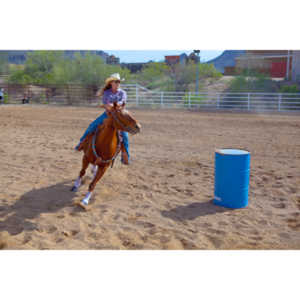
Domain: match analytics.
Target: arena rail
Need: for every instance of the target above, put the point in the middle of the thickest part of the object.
(139, 96)
(244, 101)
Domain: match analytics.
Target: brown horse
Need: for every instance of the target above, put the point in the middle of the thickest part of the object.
(102, 147)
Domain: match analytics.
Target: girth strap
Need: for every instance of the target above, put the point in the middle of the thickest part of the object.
(98, 157)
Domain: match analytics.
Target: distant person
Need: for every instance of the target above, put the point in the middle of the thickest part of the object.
(1, 95)
(25, 98)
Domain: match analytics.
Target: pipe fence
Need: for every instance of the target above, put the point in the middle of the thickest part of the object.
(139, 96)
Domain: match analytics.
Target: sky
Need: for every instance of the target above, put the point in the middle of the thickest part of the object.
(127, 56)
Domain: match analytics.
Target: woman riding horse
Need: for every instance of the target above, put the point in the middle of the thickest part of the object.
(111, 93)
(102, 148)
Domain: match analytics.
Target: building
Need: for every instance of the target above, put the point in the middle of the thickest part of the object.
(175, 59)
(112, 60)
(172, 59)
(193, 57)
(272, 62)
(295, 65)
(229, 70)
(225, 63)
(134, 67)
(183, 58)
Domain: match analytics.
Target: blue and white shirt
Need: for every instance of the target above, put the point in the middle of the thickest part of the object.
(109, 97)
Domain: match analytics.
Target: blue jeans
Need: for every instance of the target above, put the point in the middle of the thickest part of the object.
(93, 126)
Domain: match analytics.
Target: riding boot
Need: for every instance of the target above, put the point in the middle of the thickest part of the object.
(80, 145)
(124, 155)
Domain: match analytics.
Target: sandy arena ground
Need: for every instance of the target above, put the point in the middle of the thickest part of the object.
(163, 199)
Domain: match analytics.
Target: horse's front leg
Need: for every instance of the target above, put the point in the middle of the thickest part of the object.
(94, 170)
(77, 184)
(100, 172)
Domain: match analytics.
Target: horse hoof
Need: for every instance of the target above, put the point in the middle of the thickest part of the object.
(82, 205)
(74, 189)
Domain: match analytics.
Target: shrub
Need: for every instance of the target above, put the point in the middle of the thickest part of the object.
(289, 89)
(194, 99)
(252, 81)
(5, 98)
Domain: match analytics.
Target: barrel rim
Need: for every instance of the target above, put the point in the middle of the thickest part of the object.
(218, 150)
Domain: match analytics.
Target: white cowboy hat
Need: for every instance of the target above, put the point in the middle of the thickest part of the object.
(115, 76)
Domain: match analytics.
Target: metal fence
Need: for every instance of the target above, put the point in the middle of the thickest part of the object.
(138, 96)
(70, 94)
(141, 97)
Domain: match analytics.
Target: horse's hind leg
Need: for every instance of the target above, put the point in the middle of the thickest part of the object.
(77, 184)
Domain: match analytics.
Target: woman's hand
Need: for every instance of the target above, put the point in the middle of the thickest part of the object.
(108, 107)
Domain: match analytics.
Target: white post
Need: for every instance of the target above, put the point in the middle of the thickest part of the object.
(248, 101)
(288, 66)
(189, 99)
(279, 102)
(161, 99)
(137, 95)
(218, 101)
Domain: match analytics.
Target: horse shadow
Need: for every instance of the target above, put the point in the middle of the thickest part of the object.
(34, 203)
(193, 211)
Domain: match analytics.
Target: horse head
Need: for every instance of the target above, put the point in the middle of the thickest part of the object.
(123, 120)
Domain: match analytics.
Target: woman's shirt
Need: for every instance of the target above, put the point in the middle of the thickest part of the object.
(109, 97)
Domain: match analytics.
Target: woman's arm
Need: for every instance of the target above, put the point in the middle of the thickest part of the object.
(98, 93)
(105, 103)
(124, 99)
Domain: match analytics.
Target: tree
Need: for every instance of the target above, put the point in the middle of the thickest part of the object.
(53, 67)
(152, 72)
(38, 68)
(4, 64)
(183, 75)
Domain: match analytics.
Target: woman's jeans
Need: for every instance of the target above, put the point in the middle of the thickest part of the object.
(93, 126)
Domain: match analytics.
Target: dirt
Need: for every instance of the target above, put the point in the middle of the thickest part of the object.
(163, 199)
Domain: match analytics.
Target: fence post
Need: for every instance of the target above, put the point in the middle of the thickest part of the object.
(248, 101)
(137, 95)
(161, 99)
(279, 102)
(218, 101)
(189, 99)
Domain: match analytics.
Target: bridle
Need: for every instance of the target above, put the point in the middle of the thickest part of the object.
(124, 128)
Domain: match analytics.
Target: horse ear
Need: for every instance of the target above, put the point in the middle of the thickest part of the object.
(123, 105)
(115, 105)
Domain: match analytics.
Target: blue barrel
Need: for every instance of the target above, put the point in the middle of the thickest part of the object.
(232, 174)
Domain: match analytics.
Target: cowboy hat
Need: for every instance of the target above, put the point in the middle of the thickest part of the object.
(115, 76)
